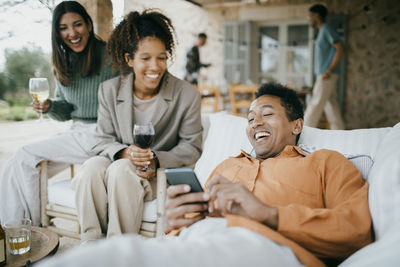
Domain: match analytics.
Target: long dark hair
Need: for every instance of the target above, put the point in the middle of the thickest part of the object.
(135, 27)
(90, 61)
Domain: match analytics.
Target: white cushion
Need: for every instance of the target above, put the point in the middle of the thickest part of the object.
(384, 252)
(352, 142)
(362, 162)
(61, 193)
(150, 211)
(226, 137)
(384, 190)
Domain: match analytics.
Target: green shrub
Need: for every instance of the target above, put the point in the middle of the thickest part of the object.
(32, 116)
(18, 113)
(18, 99)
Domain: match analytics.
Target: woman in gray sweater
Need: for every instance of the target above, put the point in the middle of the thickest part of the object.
(78, 60)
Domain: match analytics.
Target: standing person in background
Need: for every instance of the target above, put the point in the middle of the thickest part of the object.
(78, 59)
(111, 188)
(193, 63)
(328, 52)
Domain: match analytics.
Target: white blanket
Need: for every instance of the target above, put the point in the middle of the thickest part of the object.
(206, 243)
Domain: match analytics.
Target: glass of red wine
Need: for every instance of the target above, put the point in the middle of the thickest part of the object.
(143, 136)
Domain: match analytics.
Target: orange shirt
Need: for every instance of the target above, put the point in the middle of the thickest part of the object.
(322, 201)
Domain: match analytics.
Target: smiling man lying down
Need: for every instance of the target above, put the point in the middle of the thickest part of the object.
(281, 208)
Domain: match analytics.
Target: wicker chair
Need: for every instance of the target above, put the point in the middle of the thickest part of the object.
(57, 201)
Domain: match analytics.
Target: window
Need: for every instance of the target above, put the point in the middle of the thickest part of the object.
(269, 54)
(237, 51)
(284, 53)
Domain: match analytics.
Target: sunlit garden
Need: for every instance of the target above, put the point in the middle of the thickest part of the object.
(20, 65)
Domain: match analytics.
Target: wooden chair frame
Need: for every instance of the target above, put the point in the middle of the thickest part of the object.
(207, 93)
(48, 211)
(241, 89)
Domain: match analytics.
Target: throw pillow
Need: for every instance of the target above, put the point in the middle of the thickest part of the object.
(362, 162)
(225, 138)
(354, 142)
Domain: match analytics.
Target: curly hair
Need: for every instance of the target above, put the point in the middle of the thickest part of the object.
(135, 27)
(289, 99)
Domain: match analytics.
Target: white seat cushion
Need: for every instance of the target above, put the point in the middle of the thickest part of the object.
(61, 193)
(225, 138)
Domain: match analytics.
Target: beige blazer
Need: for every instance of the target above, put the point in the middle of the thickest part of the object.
(177, 121)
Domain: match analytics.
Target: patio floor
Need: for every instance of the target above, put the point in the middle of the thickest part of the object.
(16, 134)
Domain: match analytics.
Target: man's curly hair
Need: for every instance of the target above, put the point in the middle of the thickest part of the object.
(135, 27)
(289, 99)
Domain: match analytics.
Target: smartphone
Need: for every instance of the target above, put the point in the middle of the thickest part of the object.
(184, 176)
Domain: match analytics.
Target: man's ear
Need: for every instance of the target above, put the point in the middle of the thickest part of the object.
(297, 127)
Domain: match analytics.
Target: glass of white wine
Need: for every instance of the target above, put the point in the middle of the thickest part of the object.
(39, 89)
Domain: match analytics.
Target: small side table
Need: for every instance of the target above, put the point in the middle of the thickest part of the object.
(43, 243)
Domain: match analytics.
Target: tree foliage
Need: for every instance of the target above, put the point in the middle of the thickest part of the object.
(3, 84)
(21, 65)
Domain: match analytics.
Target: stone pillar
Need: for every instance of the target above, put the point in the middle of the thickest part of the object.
(101, 12)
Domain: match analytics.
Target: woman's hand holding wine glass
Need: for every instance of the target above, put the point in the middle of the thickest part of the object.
(39, 89)
(140, 153)
(144, 161)
(40, 107)
(140, 158)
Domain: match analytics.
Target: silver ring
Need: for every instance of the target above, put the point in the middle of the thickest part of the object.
(132, 155)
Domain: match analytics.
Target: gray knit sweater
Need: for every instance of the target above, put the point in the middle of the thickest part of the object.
(78, 101)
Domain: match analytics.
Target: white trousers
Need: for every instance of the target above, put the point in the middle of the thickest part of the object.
(324, 98)
(19, 184)
(206, 243)
(110, 197)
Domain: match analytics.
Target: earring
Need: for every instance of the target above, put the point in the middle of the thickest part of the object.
(62, 48)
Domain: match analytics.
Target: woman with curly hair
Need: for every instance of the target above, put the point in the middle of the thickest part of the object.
(112, 187)
(78, 59)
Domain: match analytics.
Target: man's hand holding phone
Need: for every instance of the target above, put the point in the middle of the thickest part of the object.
(181, 202)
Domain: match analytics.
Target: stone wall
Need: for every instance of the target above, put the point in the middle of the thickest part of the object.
(373, 62)
(373, 82)
(372, 96)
